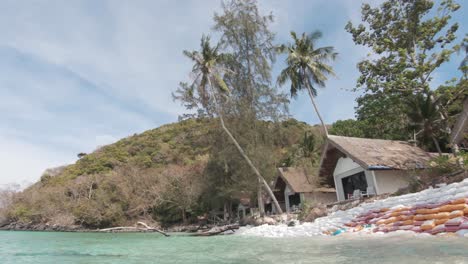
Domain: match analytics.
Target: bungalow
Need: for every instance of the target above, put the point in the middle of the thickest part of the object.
(372, 166)
(293, 187)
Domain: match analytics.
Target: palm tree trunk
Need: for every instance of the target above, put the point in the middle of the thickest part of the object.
(311, 95)
(241, 151)
(436, 143)
(261, 205)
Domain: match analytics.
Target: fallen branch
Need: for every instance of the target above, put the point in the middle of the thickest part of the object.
(217, 230)
(135, 228)
(152, 228)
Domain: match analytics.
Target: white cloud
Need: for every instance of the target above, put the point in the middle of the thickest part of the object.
(24, 163)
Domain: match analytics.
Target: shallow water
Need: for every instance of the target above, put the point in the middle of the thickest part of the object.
(50, 247)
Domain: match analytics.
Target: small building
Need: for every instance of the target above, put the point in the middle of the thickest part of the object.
(294, 186)
(373, 166)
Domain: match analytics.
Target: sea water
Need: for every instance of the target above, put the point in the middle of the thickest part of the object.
(54, 247)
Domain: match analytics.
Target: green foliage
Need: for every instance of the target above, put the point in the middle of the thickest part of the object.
(22, 213)
(410, 40)
(446, 163)
(350, 128)
(155, 148)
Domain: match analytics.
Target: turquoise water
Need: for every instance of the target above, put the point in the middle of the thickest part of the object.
(49, 247)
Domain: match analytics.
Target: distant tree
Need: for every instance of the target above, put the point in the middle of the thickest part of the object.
(410, 40)
(209, 86)
(81, 154)
(349, 128)
(307, 66)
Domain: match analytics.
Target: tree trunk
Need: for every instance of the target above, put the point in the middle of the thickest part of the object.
(241, 151)
(436, 143)
(225, 211)
(311, 95)
(261, 205)
(184, 216)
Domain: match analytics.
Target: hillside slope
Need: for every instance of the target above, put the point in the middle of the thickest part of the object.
(159, 175)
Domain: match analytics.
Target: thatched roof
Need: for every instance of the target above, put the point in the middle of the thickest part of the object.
(372, 154)
(299, 181)
(461, 126)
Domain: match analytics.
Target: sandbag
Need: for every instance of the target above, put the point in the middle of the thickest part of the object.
(416, 229)
(418, 223)
(441, 215)
(464, 225)
(407, 222)
(419, 217)
(406, 217)
(459, 201)
(438, 229)
(427, 211)
(441, 221)
(428, 225)
(456, 213)
(455, 221)
(381, 222)
(452, 229)
(452, 207)
(405, 227)
(465, 211)
(390, 220)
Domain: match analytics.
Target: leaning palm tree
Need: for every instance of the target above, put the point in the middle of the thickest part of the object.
(306, 66)
(211, 87)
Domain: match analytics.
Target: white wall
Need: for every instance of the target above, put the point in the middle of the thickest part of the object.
(344, 165)
(389, 181)
(344, 168)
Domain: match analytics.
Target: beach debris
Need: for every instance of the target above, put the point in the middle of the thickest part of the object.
(134, 228)
(217, 230)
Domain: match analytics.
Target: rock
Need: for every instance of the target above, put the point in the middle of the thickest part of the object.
(315, 213)
(269, 221)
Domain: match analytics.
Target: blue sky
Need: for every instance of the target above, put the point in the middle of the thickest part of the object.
(75, 75)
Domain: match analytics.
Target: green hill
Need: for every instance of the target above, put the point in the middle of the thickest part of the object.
(168, 174)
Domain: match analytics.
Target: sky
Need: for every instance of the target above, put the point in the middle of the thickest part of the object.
(75, 75)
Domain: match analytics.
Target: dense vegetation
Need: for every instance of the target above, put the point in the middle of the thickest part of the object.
(160, 175)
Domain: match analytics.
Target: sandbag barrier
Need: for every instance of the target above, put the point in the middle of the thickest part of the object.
(430, 218)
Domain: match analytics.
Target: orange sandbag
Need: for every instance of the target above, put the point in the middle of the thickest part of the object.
(419, 217)
(440, 221)
(430, 216)
(381, 222)
(427, 211)
(399, 218)
(459, 201)
(383, 210)
(390, 220)
(407, 222)
(452, 207)
(395, 213)
(456, 213)
(465, 211)
(442, 215)
(428, 225)
(406, 217)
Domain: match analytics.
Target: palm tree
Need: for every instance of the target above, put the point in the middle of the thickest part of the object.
(306, 66)
(210, 85)
(424, 116)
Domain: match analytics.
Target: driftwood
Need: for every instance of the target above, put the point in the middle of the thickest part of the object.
(217, 230)
(134, 228)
